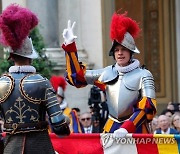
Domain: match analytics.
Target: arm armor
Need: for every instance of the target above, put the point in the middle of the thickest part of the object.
(56, 117)
(62, 127)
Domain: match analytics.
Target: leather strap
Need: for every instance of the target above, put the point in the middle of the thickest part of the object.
(15, 126)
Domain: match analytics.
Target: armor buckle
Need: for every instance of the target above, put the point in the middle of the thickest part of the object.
(14, 127)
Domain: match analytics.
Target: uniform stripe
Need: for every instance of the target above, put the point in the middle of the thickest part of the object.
(142, 103)
(75, 123)
(68, 66)
(139, 117)
(75, 73)
(111, 126)
(108, 125)
(154, 102)
(75, 62)
(72, 62)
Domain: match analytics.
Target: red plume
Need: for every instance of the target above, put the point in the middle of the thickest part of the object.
(58, 81)
(15, 24)
(120, 24)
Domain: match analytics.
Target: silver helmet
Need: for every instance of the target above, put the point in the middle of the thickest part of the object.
(60, 91)
(127, 42)
(27, 50)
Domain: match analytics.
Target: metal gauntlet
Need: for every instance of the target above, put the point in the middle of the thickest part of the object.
(61, 128)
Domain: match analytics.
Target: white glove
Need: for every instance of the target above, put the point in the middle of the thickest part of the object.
(121, 132)
(68, 33)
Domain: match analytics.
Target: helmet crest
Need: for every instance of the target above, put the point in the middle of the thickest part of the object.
(16, 23)
(120, 24)
(123, 31)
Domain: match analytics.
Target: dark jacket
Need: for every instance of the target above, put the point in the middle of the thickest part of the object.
(172, 131)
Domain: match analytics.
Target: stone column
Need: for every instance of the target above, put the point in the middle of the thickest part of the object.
(5, 3)
(177, 5)
(70, 10)
(47, 11)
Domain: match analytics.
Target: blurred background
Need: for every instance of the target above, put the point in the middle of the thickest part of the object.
(158, 41)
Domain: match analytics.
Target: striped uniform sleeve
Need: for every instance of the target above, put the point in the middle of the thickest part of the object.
(53, 109)
(74, 69)
(145, 109)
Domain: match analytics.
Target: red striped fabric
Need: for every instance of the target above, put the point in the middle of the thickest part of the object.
(145, 148)
(106, 144)
(77, 144)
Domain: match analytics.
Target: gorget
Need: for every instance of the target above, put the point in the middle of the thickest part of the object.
(22, 69)
(135, 63)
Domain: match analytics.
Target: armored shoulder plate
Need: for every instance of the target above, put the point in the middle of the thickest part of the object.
(103, 75)
(92, 75)
(108, 74)
(132, 80)
(6, 87)
(140, 79)
(31, 84)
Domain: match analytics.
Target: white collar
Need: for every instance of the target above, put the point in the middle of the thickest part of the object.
(88, 129)
(135, 63)
(22, 69)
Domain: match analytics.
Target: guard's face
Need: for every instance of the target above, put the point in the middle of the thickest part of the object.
(122, 55)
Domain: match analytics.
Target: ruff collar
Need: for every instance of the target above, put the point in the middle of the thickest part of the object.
(22, 69)
(135, 63)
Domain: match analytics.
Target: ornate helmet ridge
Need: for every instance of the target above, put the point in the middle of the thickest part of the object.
(16, 23)
(123, 31)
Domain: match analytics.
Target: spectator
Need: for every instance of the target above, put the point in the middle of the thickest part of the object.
(87, 125)
(174, 107)
(164, 126)
(176, 121)
(168, 113)
(154, 124)
(171, 106)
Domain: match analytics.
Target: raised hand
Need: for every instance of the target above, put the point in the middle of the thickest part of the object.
(68, 33)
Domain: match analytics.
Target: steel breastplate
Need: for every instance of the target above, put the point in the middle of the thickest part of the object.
(124, 93)
(120, 99)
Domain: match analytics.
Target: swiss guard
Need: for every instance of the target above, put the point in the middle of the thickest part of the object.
(26, 96)
(129, 88)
